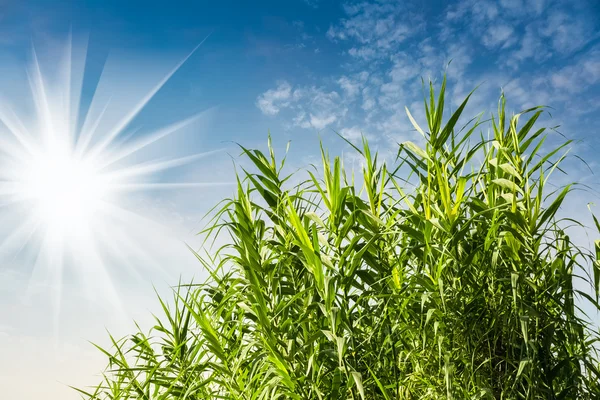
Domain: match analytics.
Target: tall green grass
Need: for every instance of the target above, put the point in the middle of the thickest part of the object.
(460, 288)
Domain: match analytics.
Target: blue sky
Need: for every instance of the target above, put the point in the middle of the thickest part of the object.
(300, 69)
(353, 66)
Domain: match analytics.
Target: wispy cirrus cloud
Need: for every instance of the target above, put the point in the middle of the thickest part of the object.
(386, 46)
(308, 107)
(499, 35)
(375, 29)
(579, 76)
(567, 31)
(537, 29)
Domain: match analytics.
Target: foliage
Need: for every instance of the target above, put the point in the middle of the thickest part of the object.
(462, 287)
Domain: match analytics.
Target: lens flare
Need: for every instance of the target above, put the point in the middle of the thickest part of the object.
(66, 192)
(64, 175)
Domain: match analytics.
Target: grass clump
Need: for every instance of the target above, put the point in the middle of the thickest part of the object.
(462, 287)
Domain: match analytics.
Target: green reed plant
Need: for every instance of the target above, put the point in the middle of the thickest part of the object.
(462, 287)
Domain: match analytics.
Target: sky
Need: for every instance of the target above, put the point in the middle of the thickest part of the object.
(299, 69)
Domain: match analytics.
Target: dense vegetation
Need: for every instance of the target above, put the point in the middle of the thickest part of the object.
(460, 286)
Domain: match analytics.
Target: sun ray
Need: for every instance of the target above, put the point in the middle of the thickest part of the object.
(122, 124)
(15, 127)
(63, 188)
(88, 132)
(151, 138)
(151, 167)
(167, 186)
(20, 237)
(134, 250)
(40, 98)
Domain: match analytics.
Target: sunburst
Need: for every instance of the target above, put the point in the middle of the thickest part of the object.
(63, 180)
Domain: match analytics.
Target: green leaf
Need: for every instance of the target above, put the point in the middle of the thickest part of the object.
(413, 122)
(359, 385)
(509, 185)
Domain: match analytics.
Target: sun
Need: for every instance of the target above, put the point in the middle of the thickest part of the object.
(66, 171)
(66, 191)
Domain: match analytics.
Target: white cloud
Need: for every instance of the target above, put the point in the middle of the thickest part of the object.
(539, 31)
(375, 28)
(519, 8)
(483, 22)
(352, 85)
(370, 96)
(322, 121)
(566, 32)
(353, 134)
(319, 108)
(368, 102)
(537, 6)
(271, 101)
(479, 11)
(402, 75)
(519, 93)
(313, 107)
(561, 31)
(531, 47)
(459, 58)
(365, 53)
(499, 35)
(484, 10)
(577, 77)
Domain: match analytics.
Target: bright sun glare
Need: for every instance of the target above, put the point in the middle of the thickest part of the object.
(64, 174)
(66, 191)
